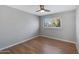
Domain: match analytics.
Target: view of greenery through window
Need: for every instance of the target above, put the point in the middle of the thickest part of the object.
(52, 22)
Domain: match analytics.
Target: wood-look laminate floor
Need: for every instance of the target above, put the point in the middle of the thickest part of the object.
(43, 45)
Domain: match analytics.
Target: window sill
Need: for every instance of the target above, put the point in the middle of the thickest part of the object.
(52, 27)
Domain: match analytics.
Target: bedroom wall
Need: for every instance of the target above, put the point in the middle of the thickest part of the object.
(67, 32)
(77, 28)
(16, 26)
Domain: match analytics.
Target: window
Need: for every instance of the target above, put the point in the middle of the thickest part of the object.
(52, 23)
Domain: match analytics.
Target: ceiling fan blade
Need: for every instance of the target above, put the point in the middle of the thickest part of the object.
(42, 9)
(47, 10)
(38, 10)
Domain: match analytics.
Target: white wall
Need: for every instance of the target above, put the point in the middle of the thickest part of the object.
(16, 25)
(67, 32)
(77, 27)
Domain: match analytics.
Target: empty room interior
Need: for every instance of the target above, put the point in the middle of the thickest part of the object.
(39, 29)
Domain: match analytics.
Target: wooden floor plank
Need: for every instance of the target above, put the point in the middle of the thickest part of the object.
(43, 45)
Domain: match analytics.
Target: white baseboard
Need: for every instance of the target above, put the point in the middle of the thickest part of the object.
(18, 43)
(58, 39)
